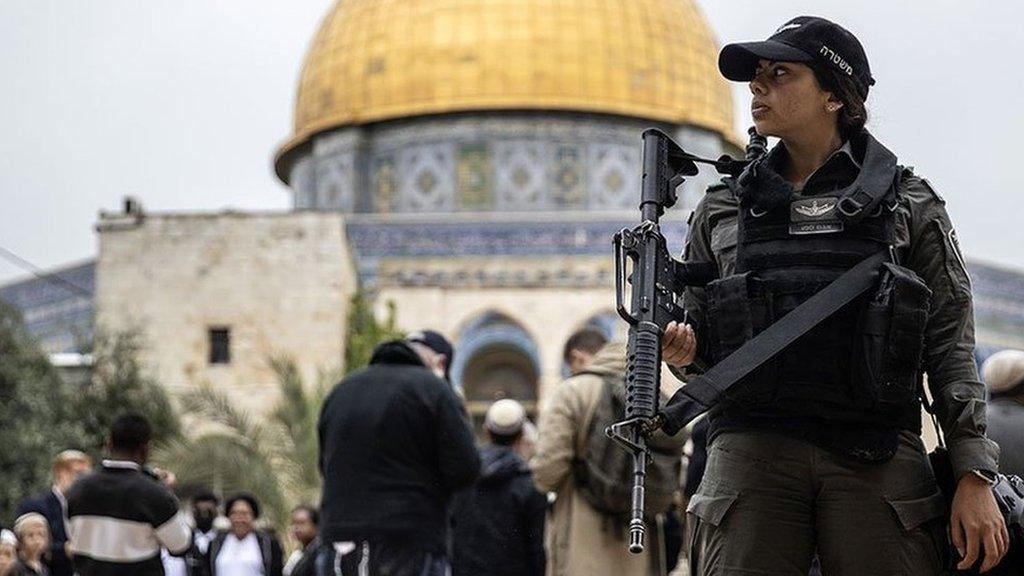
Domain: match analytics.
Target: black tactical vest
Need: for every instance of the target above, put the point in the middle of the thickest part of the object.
(860, 366)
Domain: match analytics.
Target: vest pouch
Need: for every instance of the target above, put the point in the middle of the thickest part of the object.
(728, 314)
(738, 309)
(891, 328)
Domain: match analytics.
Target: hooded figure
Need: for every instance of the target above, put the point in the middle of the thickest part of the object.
(498, 524)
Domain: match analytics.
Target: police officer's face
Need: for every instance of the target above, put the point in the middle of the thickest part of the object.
(788, 100)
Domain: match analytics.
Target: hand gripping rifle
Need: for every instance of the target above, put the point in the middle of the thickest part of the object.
(657, 279)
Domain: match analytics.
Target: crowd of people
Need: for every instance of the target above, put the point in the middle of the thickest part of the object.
(407, 489)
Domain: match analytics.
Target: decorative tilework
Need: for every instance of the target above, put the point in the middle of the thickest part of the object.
(473, 175)
(614, 176)
(335, 183)
(428, 179)
(524, 161)
(303, 185)
(567, 180)
(520, 181)
(374, 239)
(385, 188)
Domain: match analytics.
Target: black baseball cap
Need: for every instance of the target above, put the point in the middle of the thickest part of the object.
(802, 39)
(436, 342)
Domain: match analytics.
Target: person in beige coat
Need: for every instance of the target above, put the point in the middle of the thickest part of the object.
(579, 540)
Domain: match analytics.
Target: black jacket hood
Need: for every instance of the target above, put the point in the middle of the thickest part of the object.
(396, 352)
(500, 463)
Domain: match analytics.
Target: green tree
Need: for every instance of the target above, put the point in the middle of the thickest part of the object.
(35, 415)
(274, 458)
(365, 331)
(120, 385)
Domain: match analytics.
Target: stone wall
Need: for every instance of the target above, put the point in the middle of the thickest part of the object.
(280, 282)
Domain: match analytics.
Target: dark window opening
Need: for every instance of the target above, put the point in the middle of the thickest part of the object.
(220, 345)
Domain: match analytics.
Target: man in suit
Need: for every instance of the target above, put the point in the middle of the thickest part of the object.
(67, 467)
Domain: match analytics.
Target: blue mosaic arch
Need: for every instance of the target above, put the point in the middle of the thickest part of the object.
(495, 357)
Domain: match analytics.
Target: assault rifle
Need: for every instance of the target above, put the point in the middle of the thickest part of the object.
(657, 280)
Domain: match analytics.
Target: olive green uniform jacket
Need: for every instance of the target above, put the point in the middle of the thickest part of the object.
(926, 243)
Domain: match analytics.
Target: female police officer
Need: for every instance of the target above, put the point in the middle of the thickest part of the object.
(819, 450)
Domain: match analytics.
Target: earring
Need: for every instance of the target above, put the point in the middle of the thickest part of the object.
(832, 107)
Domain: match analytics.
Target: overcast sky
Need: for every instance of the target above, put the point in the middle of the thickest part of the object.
(182, 103)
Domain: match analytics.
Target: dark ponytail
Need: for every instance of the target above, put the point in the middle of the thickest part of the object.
(854, 113)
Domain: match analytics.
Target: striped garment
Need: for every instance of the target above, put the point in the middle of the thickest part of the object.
(119, 518)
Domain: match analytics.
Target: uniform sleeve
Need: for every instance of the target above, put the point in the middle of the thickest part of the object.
(958, 394)
(698, 249)
(556, 443)
(458, 458)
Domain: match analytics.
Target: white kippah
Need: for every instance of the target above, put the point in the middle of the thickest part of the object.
(505, 417)
(1003, 371)
(8, 537)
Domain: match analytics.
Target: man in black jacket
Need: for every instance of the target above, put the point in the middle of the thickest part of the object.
(394, 447)
(498, 524)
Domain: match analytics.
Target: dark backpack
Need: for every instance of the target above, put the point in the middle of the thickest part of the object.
(604, 474)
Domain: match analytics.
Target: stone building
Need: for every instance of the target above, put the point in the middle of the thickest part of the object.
(217, 296)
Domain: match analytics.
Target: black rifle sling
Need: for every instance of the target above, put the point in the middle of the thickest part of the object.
(703, 391)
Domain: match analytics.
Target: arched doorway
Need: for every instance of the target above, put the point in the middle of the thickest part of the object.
(496, 358)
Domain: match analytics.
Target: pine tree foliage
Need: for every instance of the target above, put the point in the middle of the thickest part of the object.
(120, 385)
(41, 415)
(365, 331)
(35, 415)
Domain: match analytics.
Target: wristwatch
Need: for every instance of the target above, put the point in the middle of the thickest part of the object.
(987, 475)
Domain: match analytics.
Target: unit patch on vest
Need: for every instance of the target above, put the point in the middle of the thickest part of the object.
(817, 215)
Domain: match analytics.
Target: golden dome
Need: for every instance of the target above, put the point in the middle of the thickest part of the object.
(377, 60)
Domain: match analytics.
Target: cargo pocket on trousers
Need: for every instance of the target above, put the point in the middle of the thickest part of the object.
(705, 512)
(925, 544)
(711, 507)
